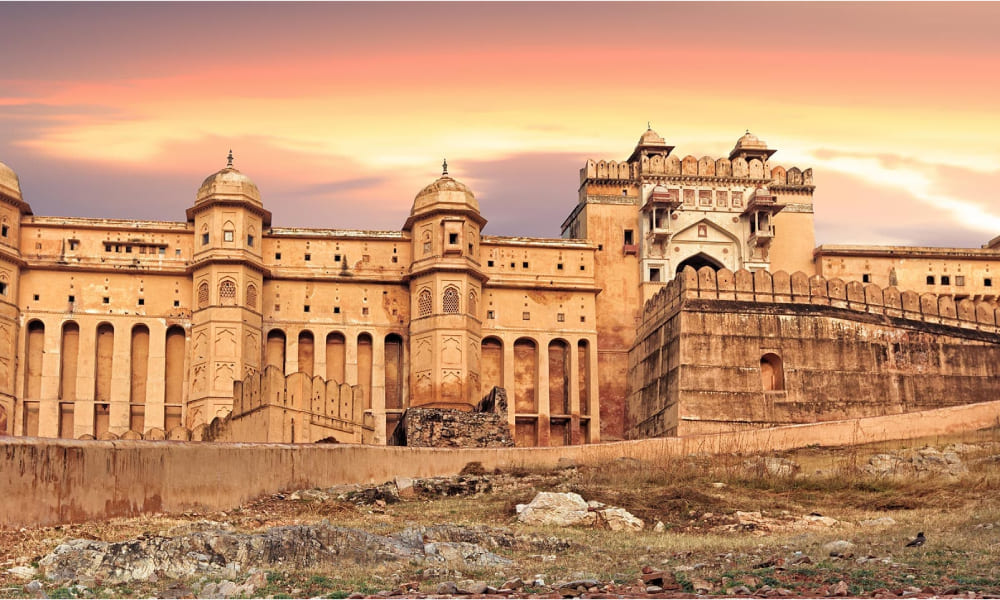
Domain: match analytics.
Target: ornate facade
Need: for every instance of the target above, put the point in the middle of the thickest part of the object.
(135, 328)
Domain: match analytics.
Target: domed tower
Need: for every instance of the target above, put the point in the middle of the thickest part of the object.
(227, 275)
(12, 208)
(446, 283)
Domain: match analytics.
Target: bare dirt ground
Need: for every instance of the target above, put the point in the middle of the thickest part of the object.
(807, 523)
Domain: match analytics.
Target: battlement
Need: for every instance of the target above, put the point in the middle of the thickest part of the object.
(705, 167)
(763, 287)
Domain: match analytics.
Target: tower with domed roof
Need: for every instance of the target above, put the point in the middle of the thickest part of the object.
(12, 207)
(228, 272)
(445, 282)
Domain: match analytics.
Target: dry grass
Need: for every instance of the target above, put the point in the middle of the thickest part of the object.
(695, 497)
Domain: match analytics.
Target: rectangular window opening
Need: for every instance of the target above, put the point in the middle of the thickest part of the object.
(309, 257)
(305, 308)
(336, 258)
(71, 298)
(489, 263)
(277, 256)
(4, 230)
(654, 275)
(866, 278)
(204, 239)
(945, 280)
(364, 310)
(106, 300)
(561, 317)
(336, 310)
(988, 282)
(930, 280)
(177, 303)
(960, 280)
(491, 314)
(559, 267)
(35, 297)
(526, 316)
(142, 302)
(3, 288)
(249, 241)
(228, 236)
(452, 238)
(524, 265)
(629, 237)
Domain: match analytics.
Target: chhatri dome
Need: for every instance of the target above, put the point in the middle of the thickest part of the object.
(9, 183)
(445, 192)
(228, 184)
(650, 138)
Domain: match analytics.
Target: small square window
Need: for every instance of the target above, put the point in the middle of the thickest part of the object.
(3, 288)
(177, 303)
(491, 314)
(559, 267)
(600, 247)
(561, 317)
(74, 244)
(309, 257)
(204, 239)
(142, 250)
(583, 268)
(945, 280)
(930, 280)
(866, 278)
(988, 282)
(395, 259)
(228, 236)
(162, 251)
(489, 263)
(526, 316)
(513, 265)
(177, 251)
(4, 230)
(106, 300)
(128, 249)
(107, 247)
(524, 265)
(277, 256)
(960, 280)
(142, 302)
(249, 241)
(583, 319)
(71, 298)
(452, 238)
(34, 297)
(118, 248)
(364, 310)
(277, 308)
(336, 310)
(305, 308)
(629, 237)
(336, 258)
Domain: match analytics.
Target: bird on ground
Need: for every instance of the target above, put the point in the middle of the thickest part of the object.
(917, 541)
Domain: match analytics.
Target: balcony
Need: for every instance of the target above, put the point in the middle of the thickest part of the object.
(632, 249)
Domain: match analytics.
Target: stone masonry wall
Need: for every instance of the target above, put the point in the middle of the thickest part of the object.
(843, 351)
(486, 427)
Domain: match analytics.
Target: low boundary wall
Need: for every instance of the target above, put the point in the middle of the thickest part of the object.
(50, 481)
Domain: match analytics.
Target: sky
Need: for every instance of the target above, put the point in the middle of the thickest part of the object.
(342, 112)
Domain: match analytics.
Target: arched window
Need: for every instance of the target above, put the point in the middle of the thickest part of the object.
(449, 303)
(772, 375)
(228, 232)
(424, 303)
(227, 292)
(473, 305)
(251, 296)
(203, 295)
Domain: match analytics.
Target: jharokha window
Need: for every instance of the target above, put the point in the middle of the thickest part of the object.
(227, 292)
(203, 295)
(424, 303)
(449, 303)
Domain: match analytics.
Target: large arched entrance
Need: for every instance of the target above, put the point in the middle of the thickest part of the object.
(698, 261)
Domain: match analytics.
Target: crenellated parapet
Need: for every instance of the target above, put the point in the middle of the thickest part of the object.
(669, 167)
(762, 287)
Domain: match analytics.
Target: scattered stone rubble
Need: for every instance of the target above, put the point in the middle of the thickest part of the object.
(922, 462)
(216, 551)
(567, 509)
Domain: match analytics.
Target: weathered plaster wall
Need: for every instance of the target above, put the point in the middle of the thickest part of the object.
(723, 351)
(58, 481)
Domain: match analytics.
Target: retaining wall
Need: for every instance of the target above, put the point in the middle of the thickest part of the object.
(50, 481)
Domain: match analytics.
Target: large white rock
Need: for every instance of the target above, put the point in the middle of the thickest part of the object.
(554, 508)
(619, 519)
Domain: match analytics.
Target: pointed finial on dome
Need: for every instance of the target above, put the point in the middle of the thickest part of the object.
(444, 167)
(748, 131)
(229, 159)
(649, 125)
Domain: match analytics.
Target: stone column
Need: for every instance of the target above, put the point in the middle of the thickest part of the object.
(542, 390)
(292, 350)
(83, 412)
(574, 392)
(121, 374)
(378, 386)
(595, 408)
(156, 375)
(507, 377)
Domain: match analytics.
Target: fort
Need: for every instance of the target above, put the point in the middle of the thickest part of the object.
(665, 309)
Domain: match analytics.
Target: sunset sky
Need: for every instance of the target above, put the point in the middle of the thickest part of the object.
(341, 112)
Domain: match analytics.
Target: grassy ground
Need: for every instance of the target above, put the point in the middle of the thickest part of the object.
(703, 544)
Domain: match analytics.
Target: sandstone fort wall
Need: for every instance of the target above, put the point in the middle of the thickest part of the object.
(57, 481)
(724, 351)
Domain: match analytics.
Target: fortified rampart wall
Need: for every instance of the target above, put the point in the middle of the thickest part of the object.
(719, 351)
(47, 481)
(689, 166)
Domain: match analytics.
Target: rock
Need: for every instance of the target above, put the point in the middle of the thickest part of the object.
(34, 589)
(404, 487)
(512, 584)
(837, 547)
(839, 589)
(447, 588)
(663, 579)
(878, 522)
(653, 589)
(473, 588)
(555, 508)
(538, 581)
(619, 519)
(773, 466)
(701, 586)
(819, 520)
(595, 505)
(802, 560)
(739, 590)
(22, 572)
